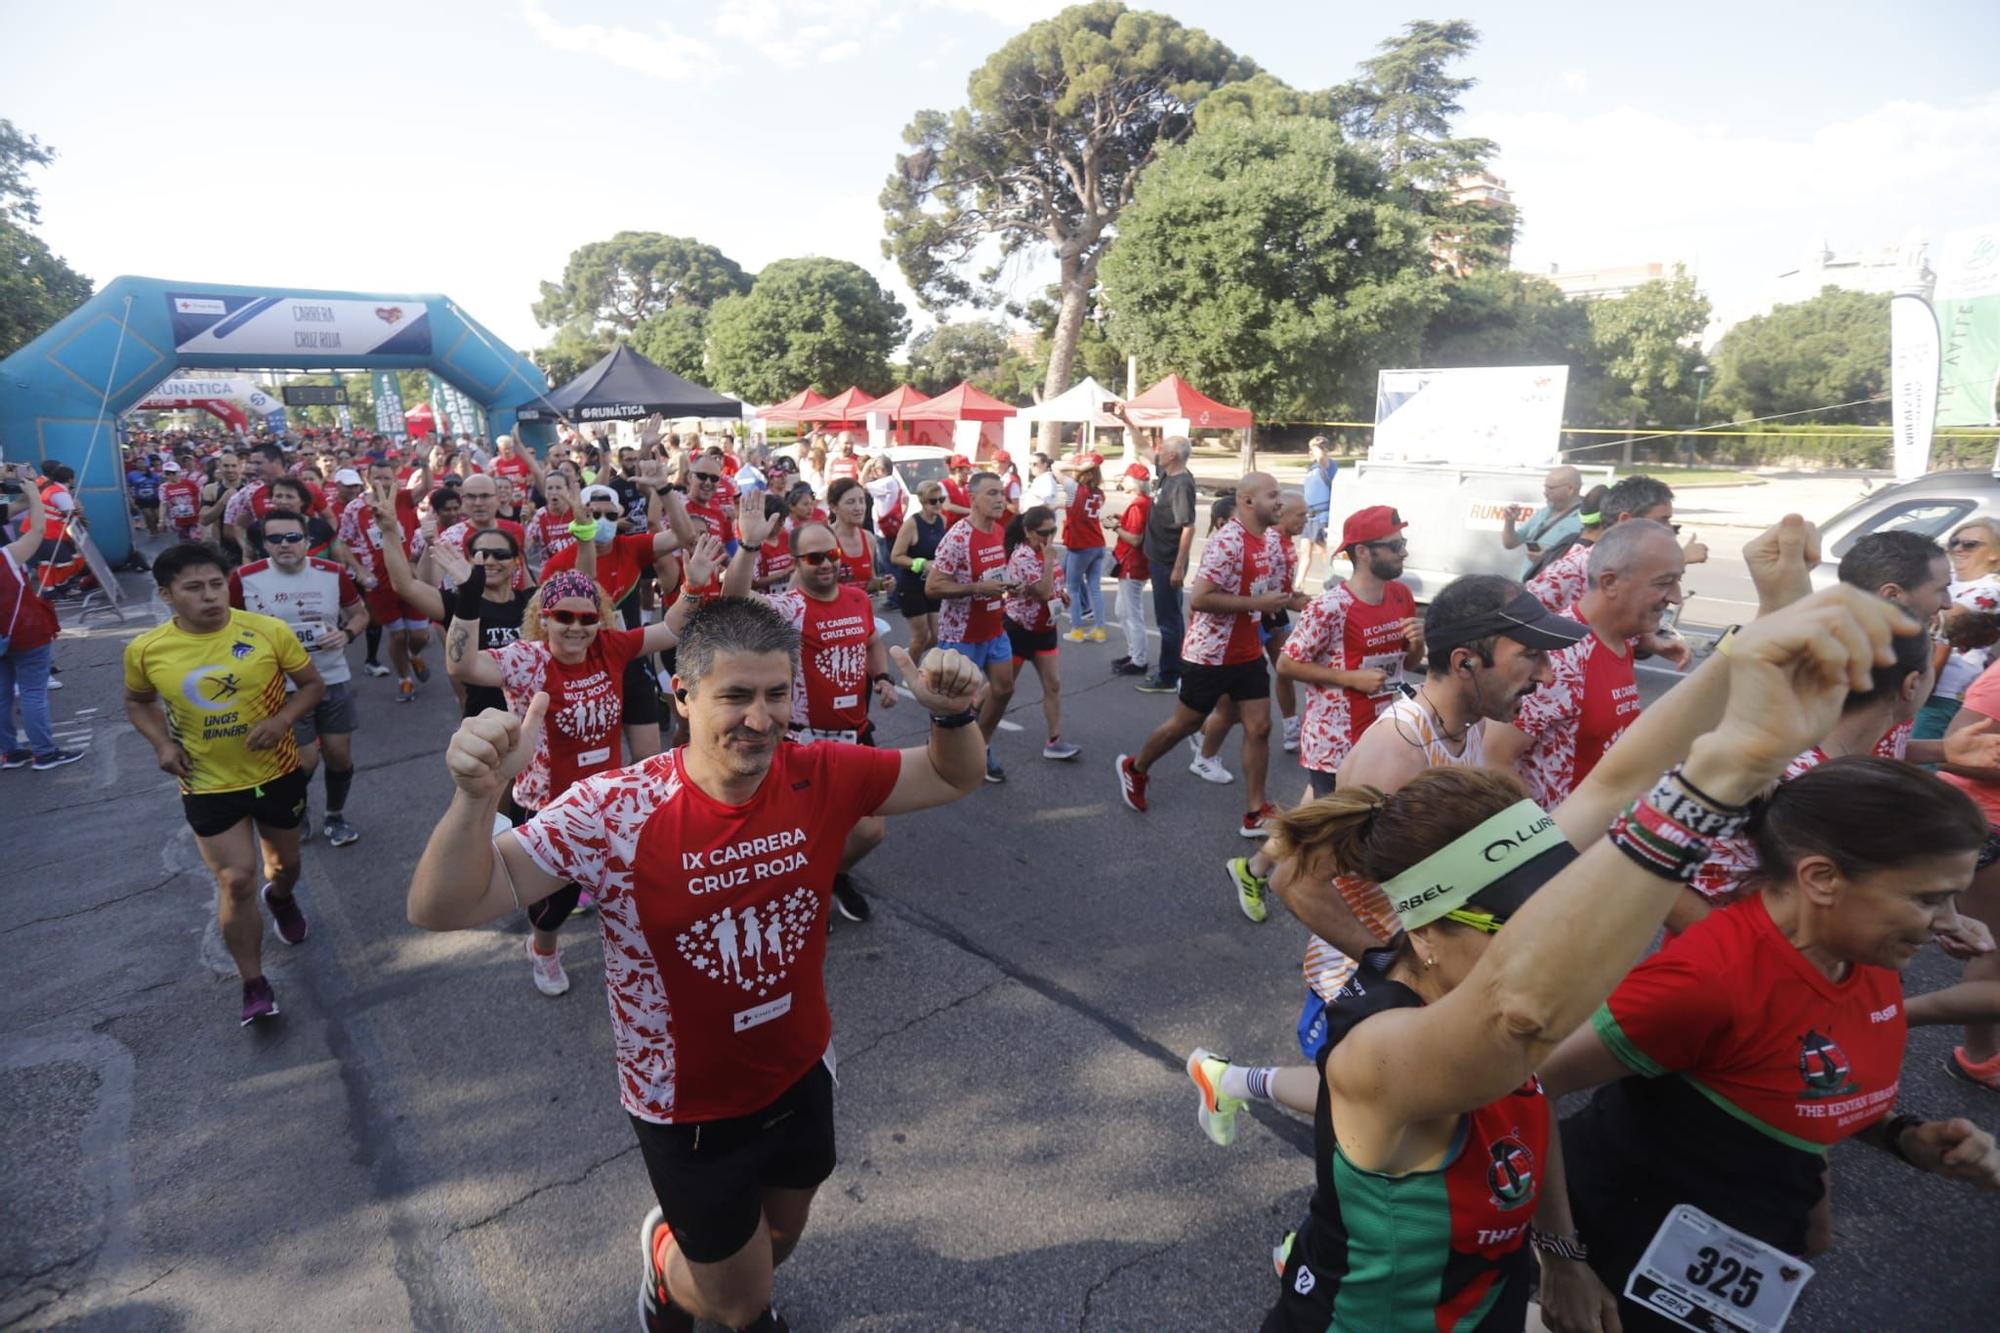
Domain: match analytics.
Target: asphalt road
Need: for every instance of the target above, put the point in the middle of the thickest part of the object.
(424, 1141)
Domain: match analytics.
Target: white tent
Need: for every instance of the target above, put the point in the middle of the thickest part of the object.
(1080, 404)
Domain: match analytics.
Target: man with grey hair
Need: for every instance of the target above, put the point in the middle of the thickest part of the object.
(725, 1063)
(1559, 518)
(1565, 728)
(1169, 538)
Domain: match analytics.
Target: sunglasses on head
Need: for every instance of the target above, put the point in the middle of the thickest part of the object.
(817, 558)
(283, 538)
(574, 617)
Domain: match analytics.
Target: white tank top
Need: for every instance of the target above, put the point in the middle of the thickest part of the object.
(1415, 723)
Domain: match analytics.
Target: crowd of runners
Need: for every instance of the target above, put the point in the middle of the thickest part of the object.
(1520, 883)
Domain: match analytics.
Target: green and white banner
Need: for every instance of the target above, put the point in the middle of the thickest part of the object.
(389, 406)
(1968, 313)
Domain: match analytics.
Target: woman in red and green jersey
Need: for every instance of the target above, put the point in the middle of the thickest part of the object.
(1431, 1126)
(1736, 1057)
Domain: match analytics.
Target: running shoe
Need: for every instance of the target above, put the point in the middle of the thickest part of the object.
(306, 827)
(258, 1001)
(550, 979)
(1076, 635)
(55, 684)
(1131, 784)
(286, 916)
(1097, 634)
(419, 668)
(56, 759)
(994, 773)
(375, 668)
(847, 900)
(1253, 823)
(1118, 662)
(1155, 685)
(1281, 1253)
(1210, 770)
(17, 759)
(1982, 1073)
(339, 832)
(657, 1314)
(1129, 669)
(1215, 1112)
(586, 901)
(1291, 735)
(406, 690)
(1249, 889)
(1060, 749)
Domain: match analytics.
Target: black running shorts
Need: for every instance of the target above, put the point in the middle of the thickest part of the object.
(278, 804)
(710, 1178)
(1203, 687)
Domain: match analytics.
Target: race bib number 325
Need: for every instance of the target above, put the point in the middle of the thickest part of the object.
(1706, 1275)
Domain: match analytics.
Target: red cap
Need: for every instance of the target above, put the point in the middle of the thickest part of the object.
(1370, 525)
(1138, 472)
(957, 461)
(1090, 460)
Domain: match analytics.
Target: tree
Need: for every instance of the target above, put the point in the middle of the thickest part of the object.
(1265, 260)
(575, 348)
(1059, 125)
(37, 287)
(1503, 317)
(1833, 348)
(1402, 105)
(674, 338)
(823, 323)
(1645, 345)
(618, 284)
(966, 350)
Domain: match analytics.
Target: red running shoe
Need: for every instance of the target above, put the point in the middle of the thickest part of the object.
(1131, 784)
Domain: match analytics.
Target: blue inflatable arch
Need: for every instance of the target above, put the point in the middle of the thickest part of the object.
(62, 394)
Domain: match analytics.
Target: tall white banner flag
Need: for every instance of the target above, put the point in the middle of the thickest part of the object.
(1913, 383)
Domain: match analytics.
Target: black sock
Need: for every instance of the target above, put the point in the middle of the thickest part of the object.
(338, 780)
(374, 643)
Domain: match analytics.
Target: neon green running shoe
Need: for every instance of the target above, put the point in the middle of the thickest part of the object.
(1216, 1112)
(1249, 889)
(1282, 1251)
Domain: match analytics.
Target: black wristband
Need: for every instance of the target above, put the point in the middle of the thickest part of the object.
(1893, 1130)
(878, 678)
(954, 721)
(470, 594)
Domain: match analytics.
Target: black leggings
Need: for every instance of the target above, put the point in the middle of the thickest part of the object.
(552, 911)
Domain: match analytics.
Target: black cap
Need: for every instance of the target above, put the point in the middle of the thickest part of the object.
(1524, 620)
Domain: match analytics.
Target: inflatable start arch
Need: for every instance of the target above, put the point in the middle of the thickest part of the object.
(62, 394)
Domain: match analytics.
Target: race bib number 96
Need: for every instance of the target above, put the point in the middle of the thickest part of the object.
(1706, 1275)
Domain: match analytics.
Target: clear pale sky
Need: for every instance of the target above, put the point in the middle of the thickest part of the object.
(466, 148)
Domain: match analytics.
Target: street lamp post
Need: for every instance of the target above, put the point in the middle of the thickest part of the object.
(1700, 389)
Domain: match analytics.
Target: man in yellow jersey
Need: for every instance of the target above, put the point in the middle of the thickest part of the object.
(207, 689)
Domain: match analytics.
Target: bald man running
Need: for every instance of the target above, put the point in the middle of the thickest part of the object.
(1241, 580)
(1559, 518)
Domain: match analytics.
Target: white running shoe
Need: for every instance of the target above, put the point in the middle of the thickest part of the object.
(1211, 770)
(1291, 735)
(550, 979)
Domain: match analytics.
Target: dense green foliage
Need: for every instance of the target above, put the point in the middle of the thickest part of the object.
(37, 287)
(820, 322)
(1833, 348)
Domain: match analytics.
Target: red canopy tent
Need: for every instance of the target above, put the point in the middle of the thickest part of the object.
(789, 409)
(965, 403)
(1174, 399)
(420, 421)
(846, 408)
(896, 405)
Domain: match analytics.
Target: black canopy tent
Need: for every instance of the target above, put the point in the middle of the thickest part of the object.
(625, 386)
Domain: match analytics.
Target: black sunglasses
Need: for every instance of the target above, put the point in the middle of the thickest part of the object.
(1045, 532)
(1963, 544)
(283, 538)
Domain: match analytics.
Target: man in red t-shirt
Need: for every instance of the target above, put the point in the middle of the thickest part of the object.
(28, 629)
(842, 661)
(515, 462)
(968, 578)
(1241, 579)
(1128, 558)
(407, 627)
(180, 502)
(1563, 729)
(843, 461)
(712, 865)
(958, 490)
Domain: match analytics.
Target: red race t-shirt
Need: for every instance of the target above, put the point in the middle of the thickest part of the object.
(842, 465)
(711, 517)
(1083, 528)
(620, 565)
(830, 686)
(1025, 566)
(586, 710)
(180, 498)
(1130, 558)
(1340, 630)
(516, 467)
(957, 492)
(774, 558)
(857, 568)
(714, 919)
(967, 555)
(1236, 563)
(1577, 718)
(549, 534)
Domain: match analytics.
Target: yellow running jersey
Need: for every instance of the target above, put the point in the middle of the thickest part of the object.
(216, 687)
